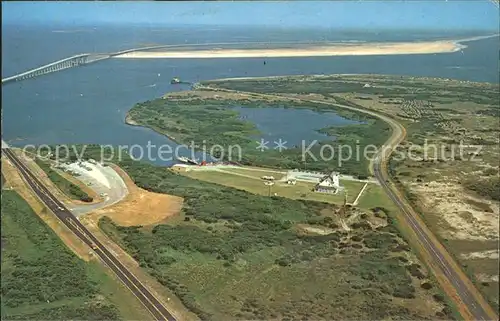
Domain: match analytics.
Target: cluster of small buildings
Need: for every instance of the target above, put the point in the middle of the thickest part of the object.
(326, 184)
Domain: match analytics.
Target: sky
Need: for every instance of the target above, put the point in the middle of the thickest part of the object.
(388, 14)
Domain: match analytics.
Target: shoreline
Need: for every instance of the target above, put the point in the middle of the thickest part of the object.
(292, 76)
(131, 122)
(314, 50)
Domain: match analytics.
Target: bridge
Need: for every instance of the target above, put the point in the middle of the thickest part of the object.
(75, 61)
(70, 62)
(84, 59)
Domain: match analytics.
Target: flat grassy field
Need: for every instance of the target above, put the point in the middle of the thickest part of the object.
(258, 172)
(250, 181)
(43, 280)
(374, 196)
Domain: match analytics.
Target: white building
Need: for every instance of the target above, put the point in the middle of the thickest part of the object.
(329, 184)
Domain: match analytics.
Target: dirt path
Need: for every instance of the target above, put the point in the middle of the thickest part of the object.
(359, 195)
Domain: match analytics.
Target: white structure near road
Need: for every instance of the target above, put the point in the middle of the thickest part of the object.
(329, 184)
(89, 169)
(104, 180)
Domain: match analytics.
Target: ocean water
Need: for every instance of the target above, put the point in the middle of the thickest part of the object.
(89, 104)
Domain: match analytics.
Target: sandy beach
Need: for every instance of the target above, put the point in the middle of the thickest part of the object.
(338, 49)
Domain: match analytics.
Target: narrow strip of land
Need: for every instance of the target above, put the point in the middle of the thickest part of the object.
(333, 49)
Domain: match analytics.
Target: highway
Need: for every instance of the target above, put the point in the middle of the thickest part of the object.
(470, 297)
(152, 304)
(448, 271)
(469, 301)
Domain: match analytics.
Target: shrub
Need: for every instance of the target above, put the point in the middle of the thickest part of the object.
(485, 187)
(414, 270)
(438, 297)
(86, 198)
(356, 238)
(404, 291)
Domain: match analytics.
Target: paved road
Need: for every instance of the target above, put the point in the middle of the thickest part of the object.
(441, 262)
(447, 271)
(477, 306)
(154, 306)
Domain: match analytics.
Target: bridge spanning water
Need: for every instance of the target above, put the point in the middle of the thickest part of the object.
(70, 62)
(73, 61)
(87, 58)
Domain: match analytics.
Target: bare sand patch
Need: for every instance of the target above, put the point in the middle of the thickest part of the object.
(450, 202)
(487, 278)
(490, 254)
(319, 230)
(335, 49)
(377, 222)
(139, 207)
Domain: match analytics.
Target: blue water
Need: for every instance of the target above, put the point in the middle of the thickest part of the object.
(89, 104)
(293, 126)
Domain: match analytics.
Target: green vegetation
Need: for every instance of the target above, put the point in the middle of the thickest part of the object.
(375, 132)
(441, 112)
(294, 85)
(232, 254)
(254, 184)
(489, 187)
(41, 278)
(212, 122)
(237, 255)
(383, 86)
(446, 114)
(68, 188)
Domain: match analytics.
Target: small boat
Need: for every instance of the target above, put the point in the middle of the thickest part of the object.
(187, 160)
(175, 80)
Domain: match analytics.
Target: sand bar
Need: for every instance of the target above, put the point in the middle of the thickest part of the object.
(340, 49)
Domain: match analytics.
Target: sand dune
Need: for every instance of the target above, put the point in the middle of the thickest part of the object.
(340, 49)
